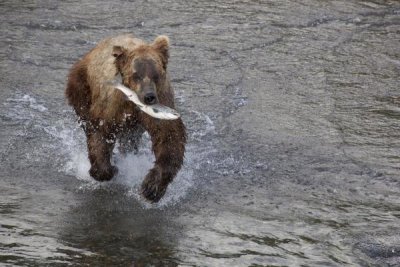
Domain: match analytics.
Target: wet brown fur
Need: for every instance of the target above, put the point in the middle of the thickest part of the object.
(107, 116)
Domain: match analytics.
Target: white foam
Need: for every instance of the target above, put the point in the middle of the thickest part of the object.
(79, 165)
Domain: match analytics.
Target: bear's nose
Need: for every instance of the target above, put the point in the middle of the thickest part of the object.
(150, 99)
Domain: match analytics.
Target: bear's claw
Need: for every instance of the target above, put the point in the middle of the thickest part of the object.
(153, 188)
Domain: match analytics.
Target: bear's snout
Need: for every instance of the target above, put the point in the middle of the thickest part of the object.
(148, 93)
(150, 98)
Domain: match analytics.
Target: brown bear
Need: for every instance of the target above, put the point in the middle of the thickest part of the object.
(107, 116)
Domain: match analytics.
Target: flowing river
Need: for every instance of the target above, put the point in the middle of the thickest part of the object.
(293, 116)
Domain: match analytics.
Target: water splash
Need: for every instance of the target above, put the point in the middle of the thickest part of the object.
(68, 143)
(132, 169)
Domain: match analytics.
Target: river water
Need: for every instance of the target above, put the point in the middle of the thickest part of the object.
(293, 159)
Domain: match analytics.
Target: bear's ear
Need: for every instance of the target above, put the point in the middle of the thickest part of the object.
(161, 44)
(118, 51)
(120, 57)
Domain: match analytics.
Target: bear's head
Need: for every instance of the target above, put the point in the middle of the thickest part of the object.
(144, 68)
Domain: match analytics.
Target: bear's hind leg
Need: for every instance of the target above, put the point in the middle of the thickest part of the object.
(100, 150)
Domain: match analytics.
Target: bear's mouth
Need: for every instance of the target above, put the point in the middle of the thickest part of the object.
(155, 110)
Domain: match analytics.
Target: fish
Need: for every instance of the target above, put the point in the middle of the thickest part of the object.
(157, 111)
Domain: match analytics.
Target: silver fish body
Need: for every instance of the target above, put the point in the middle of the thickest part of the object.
(157, 111)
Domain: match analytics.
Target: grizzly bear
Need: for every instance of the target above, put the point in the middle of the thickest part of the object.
(107, 116)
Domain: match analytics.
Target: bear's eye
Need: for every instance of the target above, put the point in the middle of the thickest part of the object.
(156, 78)
(136, 78)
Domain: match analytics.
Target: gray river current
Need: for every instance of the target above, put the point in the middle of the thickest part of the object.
(293, 115)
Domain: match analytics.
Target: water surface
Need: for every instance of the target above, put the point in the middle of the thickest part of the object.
(292, 109)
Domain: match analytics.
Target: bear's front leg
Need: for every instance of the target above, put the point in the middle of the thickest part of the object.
(100, 151)
(168, 142)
